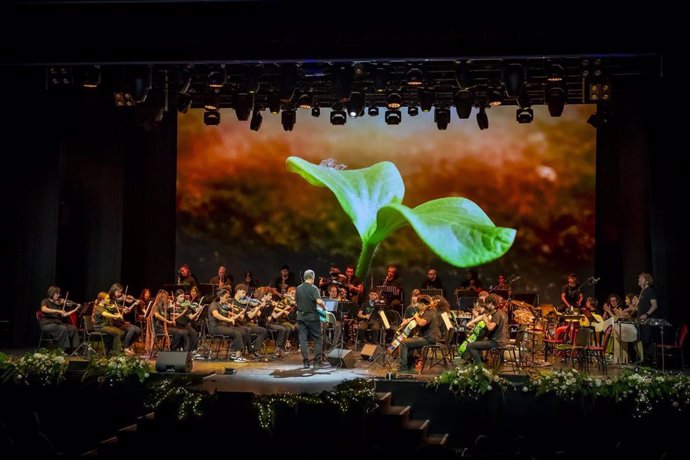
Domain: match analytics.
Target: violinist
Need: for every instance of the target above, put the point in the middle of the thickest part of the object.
(221, 321)
(53, 311)
(123, 304)
(265, 295)
(144, 299)
(427, 320)
(185, 314)
(284, 313)
(104, 311)
(369, 318)
(164, 323)
(249, 309)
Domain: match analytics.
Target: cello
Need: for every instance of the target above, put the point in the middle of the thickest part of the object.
(406, 330)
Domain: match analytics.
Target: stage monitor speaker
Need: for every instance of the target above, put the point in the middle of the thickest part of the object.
(174, 361)
(370, 351)
(340, 357)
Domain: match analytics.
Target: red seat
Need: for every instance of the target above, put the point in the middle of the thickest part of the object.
(675, 349)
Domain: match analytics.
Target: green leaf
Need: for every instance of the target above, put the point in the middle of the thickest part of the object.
(361, 192)
(456, 229)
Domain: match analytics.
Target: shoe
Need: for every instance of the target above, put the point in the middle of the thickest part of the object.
(305, 364)
(128, 351)
(319, 364)
(256, 355)
(238, 358)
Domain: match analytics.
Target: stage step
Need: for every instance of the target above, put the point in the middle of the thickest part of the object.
(438, 439)
(383, 399)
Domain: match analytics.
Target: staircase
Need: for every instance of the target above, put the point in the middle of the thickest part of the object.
(391, 428)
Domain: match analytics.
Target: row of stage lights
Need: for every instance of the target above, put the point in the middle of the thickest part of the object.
(345, 97)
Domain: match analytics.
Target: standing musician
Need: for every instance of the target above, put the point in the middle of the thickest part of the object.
(221, 321)
(308, 323)
(222, 280)
(497, 326)
(123, 305)
(52, 314)
(355, 288)
(571, 294)
(646, 308)
(428, 332)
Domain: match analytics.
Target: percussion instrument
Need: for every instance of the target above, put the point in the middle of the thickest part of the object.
(523, 316)
(627, 331)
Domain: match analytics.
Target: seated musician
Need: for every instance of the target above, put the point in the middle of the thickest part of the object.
(286, 314)
(186, 277)
(185, 316)
(250, 312)
(369, 318)
(124, 304)
(497, 326)
(283, 281)
(427, 332)
(592, 317)
(442, 306)
(105, 311)
(221, 321)
(164, 323)
(335, 293)
(471, 282)
(140, 309)
(268, 306)
(413, 308)
(53, 311)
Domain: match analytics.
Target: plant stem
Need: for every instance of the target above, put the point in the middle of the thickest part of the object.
(365, 258)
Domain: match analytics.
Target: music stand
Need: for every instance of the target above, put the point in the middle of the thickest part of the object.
(432, 292)
(207, 289)
(174, 287)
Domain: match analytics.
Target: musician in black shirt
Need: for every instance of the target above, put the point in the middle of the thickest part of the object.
(646, 308)
(496, 323)
(571, 294)
(428, 333)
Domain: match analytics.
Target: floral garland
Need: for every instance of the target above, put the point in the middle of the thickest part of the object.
(117, 369)
(42, 367)
(469, 381)
(175, 390)
(644, 389)
(345, 397)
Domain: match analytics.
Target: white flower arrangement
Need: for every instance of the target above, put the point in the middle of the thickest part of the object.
(42, 367)
(118, 369)
(469, 381)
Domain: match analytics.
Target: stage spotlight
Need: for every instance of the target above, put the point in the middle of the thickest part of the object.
(393, 101)
(412, 111)
(495, 99)
(463, 103)
(514, 77)
(216, 78)
(211, 118)
(524, 115)
(482, 118)
(244, 103)
(442, 118)
(373, 111)
(255, 122)
(555, 73)
(212, 103)
(338, 117)
(600, 117)
(355, 106)
(393, 117)
(415, 77)
(184, 102)
(305, 101)
(426, 99)
(274, 103)
(315, 111)
(343, 77)
(555, 100)
(288, 119)
(58, 76)
(381, 79)
(184, 79)
(91, 77)
(287, 80)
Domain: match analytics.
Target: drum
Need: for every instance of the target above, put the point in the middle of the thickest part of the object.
(523, 316)
(626, 331)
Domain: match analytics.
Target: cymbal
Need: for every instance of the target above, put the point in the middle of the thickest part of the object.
(521, 304)
(548, 309)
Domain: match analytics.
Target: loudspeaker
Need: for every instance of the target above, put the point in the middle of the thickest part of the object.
(370, 351)
(340, 357)
(174, 361)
